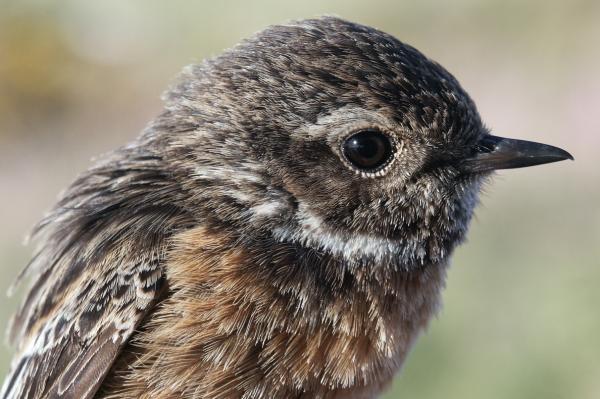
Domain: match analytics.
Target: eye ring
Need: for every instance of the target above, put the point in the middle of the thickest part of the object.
(369, 152)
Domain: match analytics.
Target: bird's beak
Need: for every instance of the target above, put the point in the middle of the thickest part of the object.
(492, 152)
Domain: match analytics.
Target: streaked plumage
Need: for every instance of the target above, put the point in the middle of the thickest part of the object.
(233, 251)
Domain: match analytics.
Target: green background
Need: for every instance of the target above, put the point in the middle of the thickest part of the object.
(522, 306)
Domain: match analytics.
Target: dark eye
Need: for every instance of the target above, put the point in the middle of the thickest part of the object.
(368, 150)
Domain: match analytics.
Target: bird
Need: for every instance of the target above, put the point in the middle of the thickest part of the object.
(282, 229)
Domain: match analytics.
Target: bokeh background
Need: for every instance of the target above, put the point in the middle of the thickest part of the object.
(522, 305)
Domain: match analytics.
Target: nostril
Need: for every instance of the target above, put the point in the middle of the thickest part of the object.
(486, 144)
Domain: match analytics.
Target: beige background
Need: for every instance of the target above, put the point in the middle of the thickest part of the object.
(521, 316)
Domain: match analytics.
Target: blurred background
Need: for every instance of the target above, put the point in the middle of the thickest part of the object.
(522, 305)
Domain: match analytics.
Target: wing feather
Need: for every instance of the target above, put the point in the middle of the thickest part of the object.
(97, 274)
(69, 356)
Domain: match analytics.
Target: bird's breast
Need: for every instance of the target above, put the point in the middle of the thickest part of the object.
(271, 321)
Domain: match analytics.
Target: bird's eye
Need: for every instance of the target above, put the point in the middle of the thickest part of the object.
(368, 150)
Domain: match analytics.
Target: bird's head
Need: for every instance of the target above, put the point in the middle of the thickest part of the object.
(337, 137)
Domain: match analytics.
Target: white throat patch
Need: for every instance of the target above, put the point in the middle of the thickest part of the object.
(312, 231)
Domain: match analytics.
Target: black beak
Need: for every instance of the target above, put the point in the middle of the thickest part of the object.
(493, 153)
